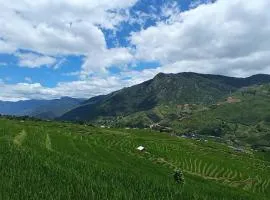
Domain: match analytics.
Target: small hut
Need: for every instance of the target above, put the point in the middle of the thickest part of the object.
(140, 148)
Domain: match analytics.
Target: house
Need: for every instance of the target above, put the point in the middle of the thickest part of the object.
(140, 148)
(233, 100)
(160, 128)
(152, 126)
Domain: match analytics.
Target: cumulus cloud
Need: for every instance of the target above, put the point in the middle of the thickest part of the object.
(99, 61)
(81, 89)
(28, 79)
(74, 73)
(32, 60)
(6, 47)
(227, 37)
(62, 27)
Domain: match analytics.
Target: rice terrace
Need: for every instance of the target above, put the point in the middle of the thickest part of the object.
(51, 160)
(134, 100)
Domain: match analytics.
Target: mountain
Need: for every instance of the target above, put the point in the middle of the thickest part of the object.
(44, 109)
(241, 117)
(163, 89)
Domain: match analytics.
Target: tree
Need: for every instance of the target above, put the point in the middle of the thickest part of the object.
(235, 128)
(179, 176)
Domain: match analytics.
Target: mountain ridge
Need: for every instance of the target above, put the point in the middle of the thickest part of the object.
(186, 87)
(44, 109)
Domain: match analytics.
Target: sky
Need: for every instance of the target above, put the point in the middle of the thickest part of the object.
(85, 48)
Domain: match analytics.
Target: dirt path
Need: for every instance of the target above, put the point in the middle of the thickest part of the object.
(18, 139)
(48, 143)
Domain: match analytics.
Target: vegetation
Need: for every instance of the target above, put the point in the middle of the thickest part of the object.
(164, 89)
(179, 176)
(215, 143)
(51, 160)
(239, 118)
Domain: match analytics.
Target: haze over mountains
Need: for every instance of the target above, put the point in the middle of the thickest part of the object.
(44, 109)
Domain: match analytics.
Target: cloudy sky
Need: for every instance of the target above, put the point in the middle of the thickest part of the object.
(83, 48)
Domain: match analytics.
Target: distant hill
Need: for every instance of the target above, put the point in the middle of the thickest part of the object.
(163, 89)
(44, 109)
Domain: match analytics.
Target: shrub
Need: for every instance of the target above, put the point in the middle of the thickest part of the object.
(179, 176)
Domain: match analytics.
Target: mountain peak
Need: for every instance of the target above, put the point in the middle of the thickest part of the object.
(160, 75)
(183, 74)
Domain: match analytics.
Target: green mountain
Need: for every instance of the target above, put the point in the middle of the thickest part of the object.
(164, 89)
(44, 109)
(55, 108)
(240, 118)
(52, 160)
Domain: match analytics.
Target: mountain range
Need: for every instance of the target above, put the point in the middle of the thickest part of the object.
(163, 89)
(235, 109)
(43, 109)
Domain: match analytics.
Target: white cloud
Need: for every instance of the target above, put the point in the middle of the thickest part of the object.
(75, 73)
(28, 79)
(196, 3)
(22, 91)
(171, 11)
(60, 63)
(6, 47)
(85, 88)
(32, 60)
(98, 61)
(226, 37)
(62, 27)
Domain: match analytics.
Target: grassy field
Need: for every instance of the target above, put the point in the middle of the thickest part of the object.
(51, 160)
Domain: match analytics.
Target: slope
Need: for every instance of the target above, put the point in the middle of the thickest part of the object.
(241, 116)
(66, 161)
(164, 89)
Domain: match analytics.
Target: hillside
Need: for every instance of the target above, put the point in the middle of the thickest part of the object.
(50, 160)
(242, 116)
(44, 109)
(164, 89)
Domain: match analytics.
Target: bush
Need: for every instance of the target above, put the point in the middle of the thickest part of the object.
(179, 176)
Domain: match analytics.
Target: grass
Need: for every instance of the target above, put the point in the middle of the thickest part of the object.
(51, 160)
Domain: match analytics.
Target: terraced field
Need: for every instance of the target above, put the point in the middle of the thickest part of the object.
(49, 160)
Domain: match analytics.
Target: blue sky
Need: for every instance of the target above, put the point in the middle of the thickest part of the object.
(120, 37)
(89, 47)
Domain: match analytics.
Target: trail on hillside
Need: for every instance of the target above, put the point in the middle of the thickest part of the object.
(48, 143)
